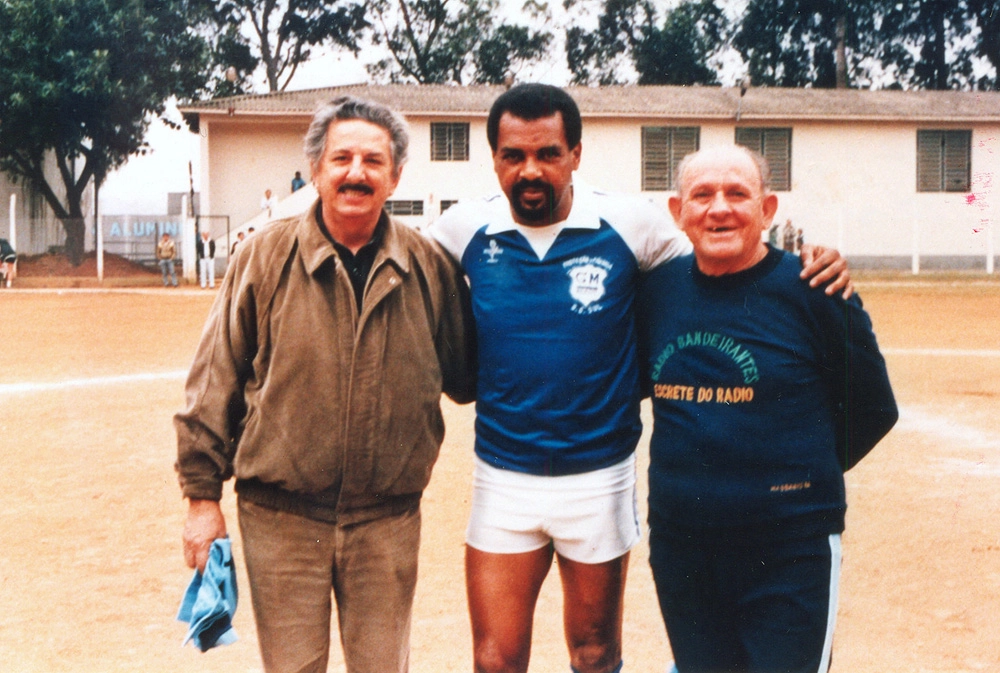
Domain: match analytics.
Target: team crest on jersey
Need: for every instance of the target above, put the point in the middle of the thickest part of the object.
(492, 251)
(587, 276)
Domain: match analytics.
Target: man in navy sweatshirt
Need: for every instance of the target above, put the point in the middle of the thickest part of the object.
(764, 392)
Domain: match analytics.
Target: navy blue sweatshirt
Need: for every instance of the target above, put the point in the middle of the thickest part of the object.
(764, 392)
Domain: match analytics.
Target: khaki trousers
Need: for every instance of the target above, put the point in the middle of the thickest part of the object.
(295, 565)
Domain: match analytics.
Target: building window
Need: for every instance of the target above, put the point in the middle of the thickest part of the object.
(447, 203)
(404, 207)
(449, 141)
(944, 160)
(775, 145)
(663, 147)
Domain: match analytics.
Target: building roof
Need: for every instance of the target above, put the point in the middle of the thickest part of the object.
(674, 102)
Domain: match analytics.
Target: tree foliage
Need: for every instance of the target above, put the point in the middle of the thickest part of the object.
(925, 41)
(930, 44)
(794, 43)
(604, 54)
(987, 14)
(681, 51)
(79, 83)
(628, 39)
(276, 35)
(924, 44)
(452, 41)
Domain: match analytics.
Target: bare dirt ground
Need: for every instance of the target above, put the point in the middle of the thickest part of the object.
(48, 266)
(91, 571)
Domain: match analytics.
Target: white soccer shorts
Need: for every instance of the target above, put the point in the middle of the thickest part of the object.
(591, 517)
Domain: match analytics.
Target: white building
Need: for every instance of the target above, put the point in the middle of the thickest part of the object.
(881, 175)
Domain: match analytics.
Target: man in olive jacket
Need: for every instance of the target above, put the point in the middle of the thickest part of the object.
(317, 384)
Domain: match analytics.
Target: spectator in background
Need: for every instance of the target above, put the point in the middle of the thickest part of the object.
(788, 237)
(239, 239)
(269, 202)
(772, 235)
(205, 247)
(800, 238)
(297, 182)
(166, 253)
(8, 259)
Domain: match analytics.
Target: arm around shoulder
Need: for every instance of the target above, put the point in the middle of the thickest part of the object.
(825, 265)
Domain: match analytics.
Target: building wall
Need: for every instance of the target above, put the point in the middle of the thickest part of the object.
(247, 156)
(853, 185)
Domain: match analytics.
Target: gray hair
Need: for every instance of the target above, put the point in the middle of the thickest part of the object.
(343, 108)
(763, 168)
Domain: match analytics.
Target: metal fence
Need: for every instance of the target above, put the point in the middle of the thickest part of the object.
(134, 237)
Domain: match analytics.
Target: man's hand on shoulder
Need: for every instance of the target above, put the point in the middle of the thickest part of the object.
(820, 265)
(204, 525)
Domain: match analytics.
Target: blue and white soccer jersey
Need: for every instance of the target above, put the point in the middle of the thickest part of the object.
(558, 389)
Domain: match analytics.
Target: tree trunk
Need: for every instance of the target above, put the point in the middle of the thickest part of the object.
(841, 52)
(75, 236)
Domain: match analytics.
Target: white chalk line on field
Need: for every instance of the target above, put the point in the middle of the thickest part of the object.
(949, 431)
(916, 419)
(48, 386)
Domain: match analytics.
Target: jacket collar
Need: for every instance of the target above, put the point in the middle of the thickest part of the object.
(316, 248)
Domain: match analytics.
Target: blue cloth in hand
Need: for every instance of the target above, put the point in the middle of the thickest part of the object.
(210, 600)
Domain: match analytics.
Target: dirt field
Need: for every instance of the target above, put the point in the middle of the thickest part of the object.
(90, 561)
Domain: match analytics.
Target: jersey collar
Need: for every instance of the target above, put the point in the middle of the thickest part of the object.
(583, 215)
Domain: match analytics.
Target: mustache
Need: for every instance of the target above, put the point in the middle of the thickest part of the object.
(356, 187)
(523, 185)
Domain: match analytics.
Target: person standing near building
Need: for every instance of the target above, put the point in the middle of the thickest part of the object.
(317, 384)
(166, 253)
(8, 262)
(239, 239)
(765, 391)
(772, 234)
(205, 249)
(297, 182)
(268, 202)
(788, 237)
(553, 266)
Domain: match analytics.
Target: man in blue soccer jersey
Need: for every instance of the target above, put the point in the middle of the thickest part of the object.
(553, 269)
(764, 392)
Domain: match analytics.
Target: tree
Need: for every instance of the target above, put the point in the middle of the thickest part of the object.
(628, 39)
(79, 83)
(603, 56)
(276, 34)
(457, 41)
(680, 52)
(925, 41)
(821, 43)
(987, 14)
(926, 44)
